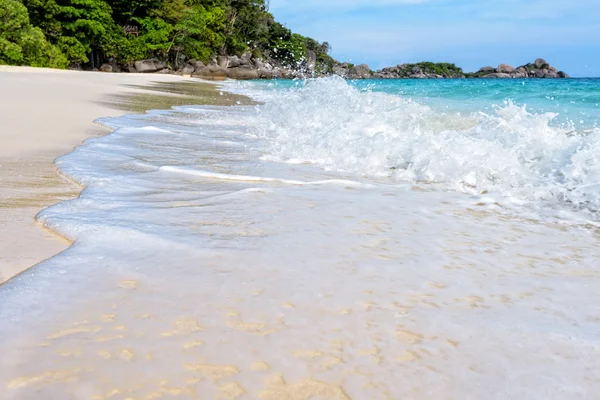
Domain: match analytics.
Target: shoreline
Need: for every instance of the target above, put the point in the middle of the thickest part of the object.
(48, 113)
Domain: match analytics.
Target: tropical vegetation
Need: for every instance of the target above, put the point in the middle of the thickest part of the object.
(61, 33)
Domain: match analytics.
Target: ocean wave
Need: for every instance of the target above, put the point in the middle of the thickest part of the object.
(510, 152)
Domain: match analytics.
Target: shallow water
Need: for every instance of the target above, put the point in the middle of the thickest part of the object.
(283, 252)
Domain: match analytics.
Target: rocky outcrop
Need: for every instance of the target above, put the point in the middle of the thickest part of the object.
(248, 67)
(359, 72)
(538, 69)
(187, 70)
(243, 73)
(211, 72)
(244, 67)
(424, 70)
(106, 68)
(147, 66)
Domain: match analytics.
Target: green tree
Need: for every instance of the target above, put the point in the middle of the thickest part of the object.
(198, 34)
(74, 26)
(23, 44)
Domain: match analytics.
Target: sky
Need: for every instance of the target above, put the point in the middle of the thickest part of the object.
(469, 33)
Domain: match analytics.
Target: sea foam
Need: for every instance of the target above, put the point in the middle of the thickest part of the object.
(507, 152)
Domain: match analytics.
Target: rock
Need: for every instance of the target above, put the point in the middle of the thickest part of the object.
(340, 70)
(259, 63)
(505, 68)
(147, 66)
(129, 68)
(499, 75)
(359, 72)
(223, 61)
(487, 69)
(276, 74)
(198, 65)
(311, 59)
(187, 70)
(416, 70)
(265, 74)
(539, 74)
(562, 74)
(234, 61)
(211, 72)
(246, 58)
(106, 68)
(551, 75)
(540, 63)
(243, 73)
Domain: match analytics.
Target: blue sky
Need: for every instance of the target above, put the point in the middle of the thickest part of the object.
(470, 33)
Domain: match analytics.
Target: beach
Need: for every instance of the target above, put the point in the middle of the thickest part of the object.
(317, 240)
(46, 113)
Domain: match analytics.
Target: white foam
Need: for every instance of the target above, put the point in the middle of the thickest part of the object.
(247, 178)
(517, 154)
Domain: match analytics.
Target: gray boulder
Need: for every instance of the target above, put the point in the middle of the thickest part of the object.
(259, 64)
(246, 58)
(211, 72)
(540, 63)
(340, 70)
(196, 64)
(234, 61)
(265, 74)
(223, 61)
(487, 69)
(147, 66)
(187, 70)
(539, 73)
(129, 68)
(311, 59)
(106, 68)
(505, 68)
(359, 72)
(243, 73)
(276, 74)
(562, 74)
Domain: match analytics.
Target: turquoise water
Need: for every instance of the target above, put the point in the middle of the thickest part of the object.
(574, 100)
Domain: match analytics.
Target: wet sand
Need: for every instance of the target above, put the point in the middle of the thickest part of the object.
(46, 113)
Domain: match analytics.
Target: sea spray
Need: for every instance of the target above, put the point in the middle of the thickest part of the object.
(507, 151)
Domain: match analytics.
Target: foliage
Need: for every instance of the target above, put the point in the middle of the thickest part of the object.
(444, 69)
(23, 44)
(199, 32)
(170, 30)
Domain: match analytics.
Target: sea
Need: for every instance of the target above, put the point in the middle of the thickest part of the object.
(378, 239)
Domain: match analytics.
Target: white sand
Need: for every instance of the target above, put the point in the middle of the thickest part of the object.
(45, 113)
